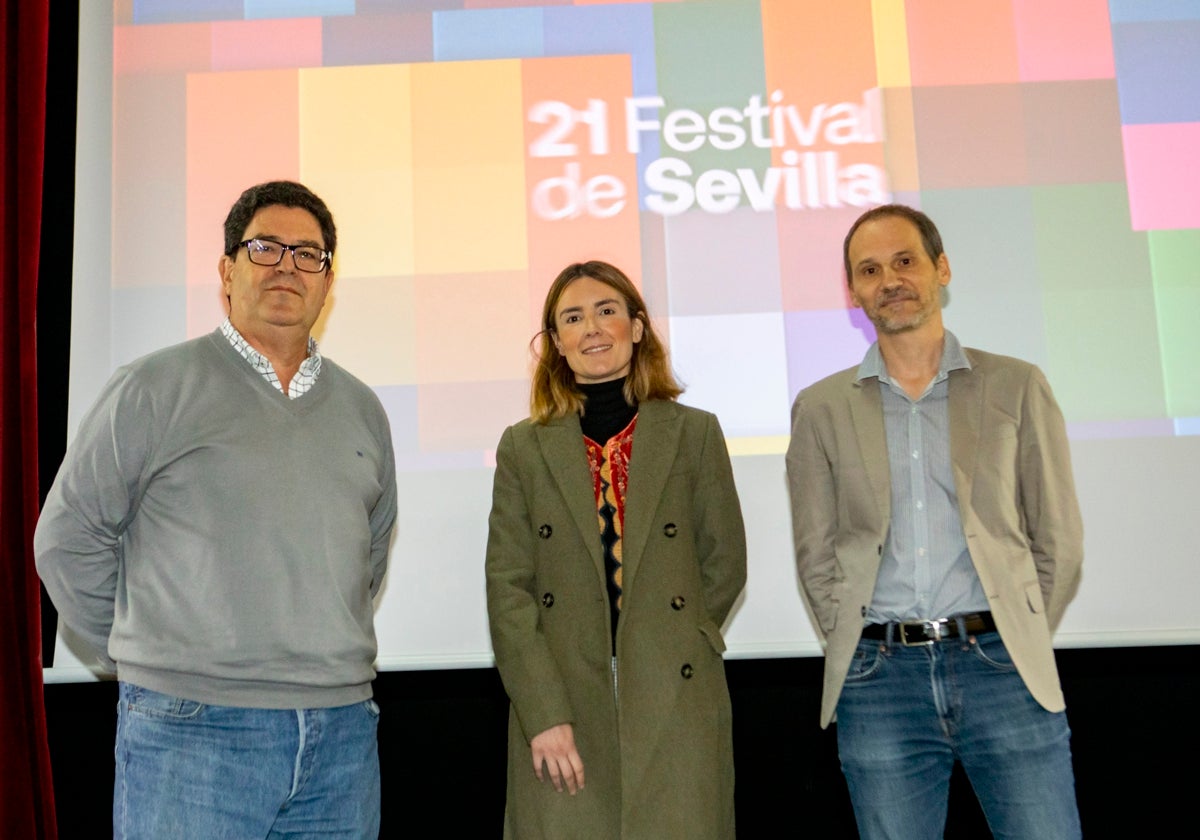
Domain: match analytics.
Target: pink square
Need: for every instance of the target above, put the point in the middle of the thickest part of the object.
(1067, 39)
(266, 44)
(1161, 175)
(812, 276)
(162, 48)
(449, 418)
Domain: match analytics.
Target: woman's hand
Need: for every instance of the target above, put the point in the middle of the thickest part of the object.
(556, 749)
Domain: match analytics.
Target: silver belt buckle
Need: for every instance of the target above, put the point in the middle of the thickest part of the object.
(924, 625)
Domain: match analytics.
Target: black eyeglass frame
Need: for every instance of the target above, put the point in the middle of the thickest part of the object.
(326, 256)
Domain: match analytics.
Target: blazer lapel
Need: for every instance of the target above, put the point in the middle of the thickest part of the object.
(561, 442)
(866, 411)
(966, 413)
(655, 446)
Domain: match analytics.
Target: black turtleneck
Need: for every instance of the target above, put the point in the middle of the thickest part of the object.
(605, 411)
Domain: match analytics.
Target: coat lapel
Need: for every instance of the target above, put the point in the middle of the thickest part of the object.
(866, 410)
(561, 442)
(655, 445)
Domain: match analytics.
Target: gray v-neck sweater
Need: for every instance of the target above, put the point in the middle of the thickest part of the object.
(221, 542)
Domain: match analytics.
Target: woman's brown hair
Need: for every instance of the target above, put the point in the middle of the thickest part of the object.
(554, 392)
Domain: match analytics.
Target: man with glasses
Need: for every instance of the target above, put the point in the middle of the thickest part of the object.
(217, 532)
(938, 541)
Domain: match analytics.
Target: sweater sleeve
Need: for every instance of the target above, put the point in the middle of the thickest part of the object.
(77, 542)
(383, 516)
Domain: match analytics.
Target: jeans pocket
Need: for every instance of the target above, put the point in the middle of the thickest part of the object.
(990, 649)
(154, 704)
(866, 661)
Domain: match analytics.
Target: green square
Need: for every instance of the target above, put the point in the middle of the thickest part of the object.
(710, 55)
(1175, 265)
(994, 300)
(1101, 323)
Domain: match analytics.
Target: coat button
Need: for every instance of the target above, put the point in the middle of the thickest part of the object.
(545, 531)
(678, 602)
(670, 530)
(548, 600)
(686, 672)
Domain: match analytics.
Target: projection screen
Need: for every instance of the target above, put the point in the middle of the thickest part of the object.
(717, 151)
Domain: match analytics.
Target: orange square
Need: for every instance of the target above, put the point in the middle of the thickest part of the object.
(218, 107)
(954, 43)
(814, 63)
(581, 180)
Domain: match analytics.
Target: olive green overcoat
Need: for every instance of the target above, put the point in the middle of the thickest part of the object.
(657, 749)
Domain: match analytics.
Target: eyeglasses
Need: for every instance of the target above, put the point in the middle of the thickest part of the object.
(266, 252)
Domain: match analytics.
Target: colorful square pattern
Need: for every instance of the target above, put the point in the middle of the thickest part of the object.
(717, 151)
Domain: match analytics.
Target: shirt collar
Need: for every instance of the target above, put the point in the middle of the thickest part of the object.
(305, 377)
(953, 358)
(253, 356)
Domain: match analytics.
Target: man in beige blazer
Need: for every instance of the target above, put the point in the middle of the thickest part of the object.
(938, 541)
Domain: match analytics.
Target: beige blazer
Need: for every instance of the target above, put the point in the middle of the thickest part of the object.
(657, 750)
(1016, 497)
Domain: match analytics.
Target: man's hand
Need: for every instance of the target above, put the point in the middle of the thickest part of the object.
(556, 748)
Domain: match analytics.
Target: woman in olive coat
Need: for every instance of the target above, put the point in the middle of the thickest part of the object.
(615, 552)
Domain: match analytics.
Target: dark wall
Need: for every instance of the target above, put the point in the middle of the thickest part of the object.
(442, 749)
(442, 733)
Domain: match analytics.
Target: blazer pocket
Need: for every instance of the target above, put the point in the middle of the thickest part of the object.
(1033, 597)
(829, 616)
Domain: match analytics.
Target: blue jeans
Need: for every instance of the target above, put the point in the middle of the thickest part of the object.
(906, 714)
(187, 769)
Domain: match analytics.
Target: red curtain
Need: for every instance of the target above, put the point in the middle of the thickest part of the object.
(26, 785)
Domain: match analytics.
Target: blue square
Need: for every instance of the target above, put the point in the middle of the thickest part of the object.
(186, 11)
(1158, 71)
(487, 33)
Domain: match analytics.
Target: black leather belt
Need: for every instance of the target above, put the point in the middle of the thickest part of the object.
(927, 632)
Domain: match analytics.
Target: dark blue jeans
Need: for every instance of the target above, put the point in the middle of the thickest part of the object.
(186, 769)
(906, 714)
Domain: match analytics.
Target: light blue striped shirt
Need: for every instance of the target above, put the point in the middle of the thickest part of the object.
(926, 570)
